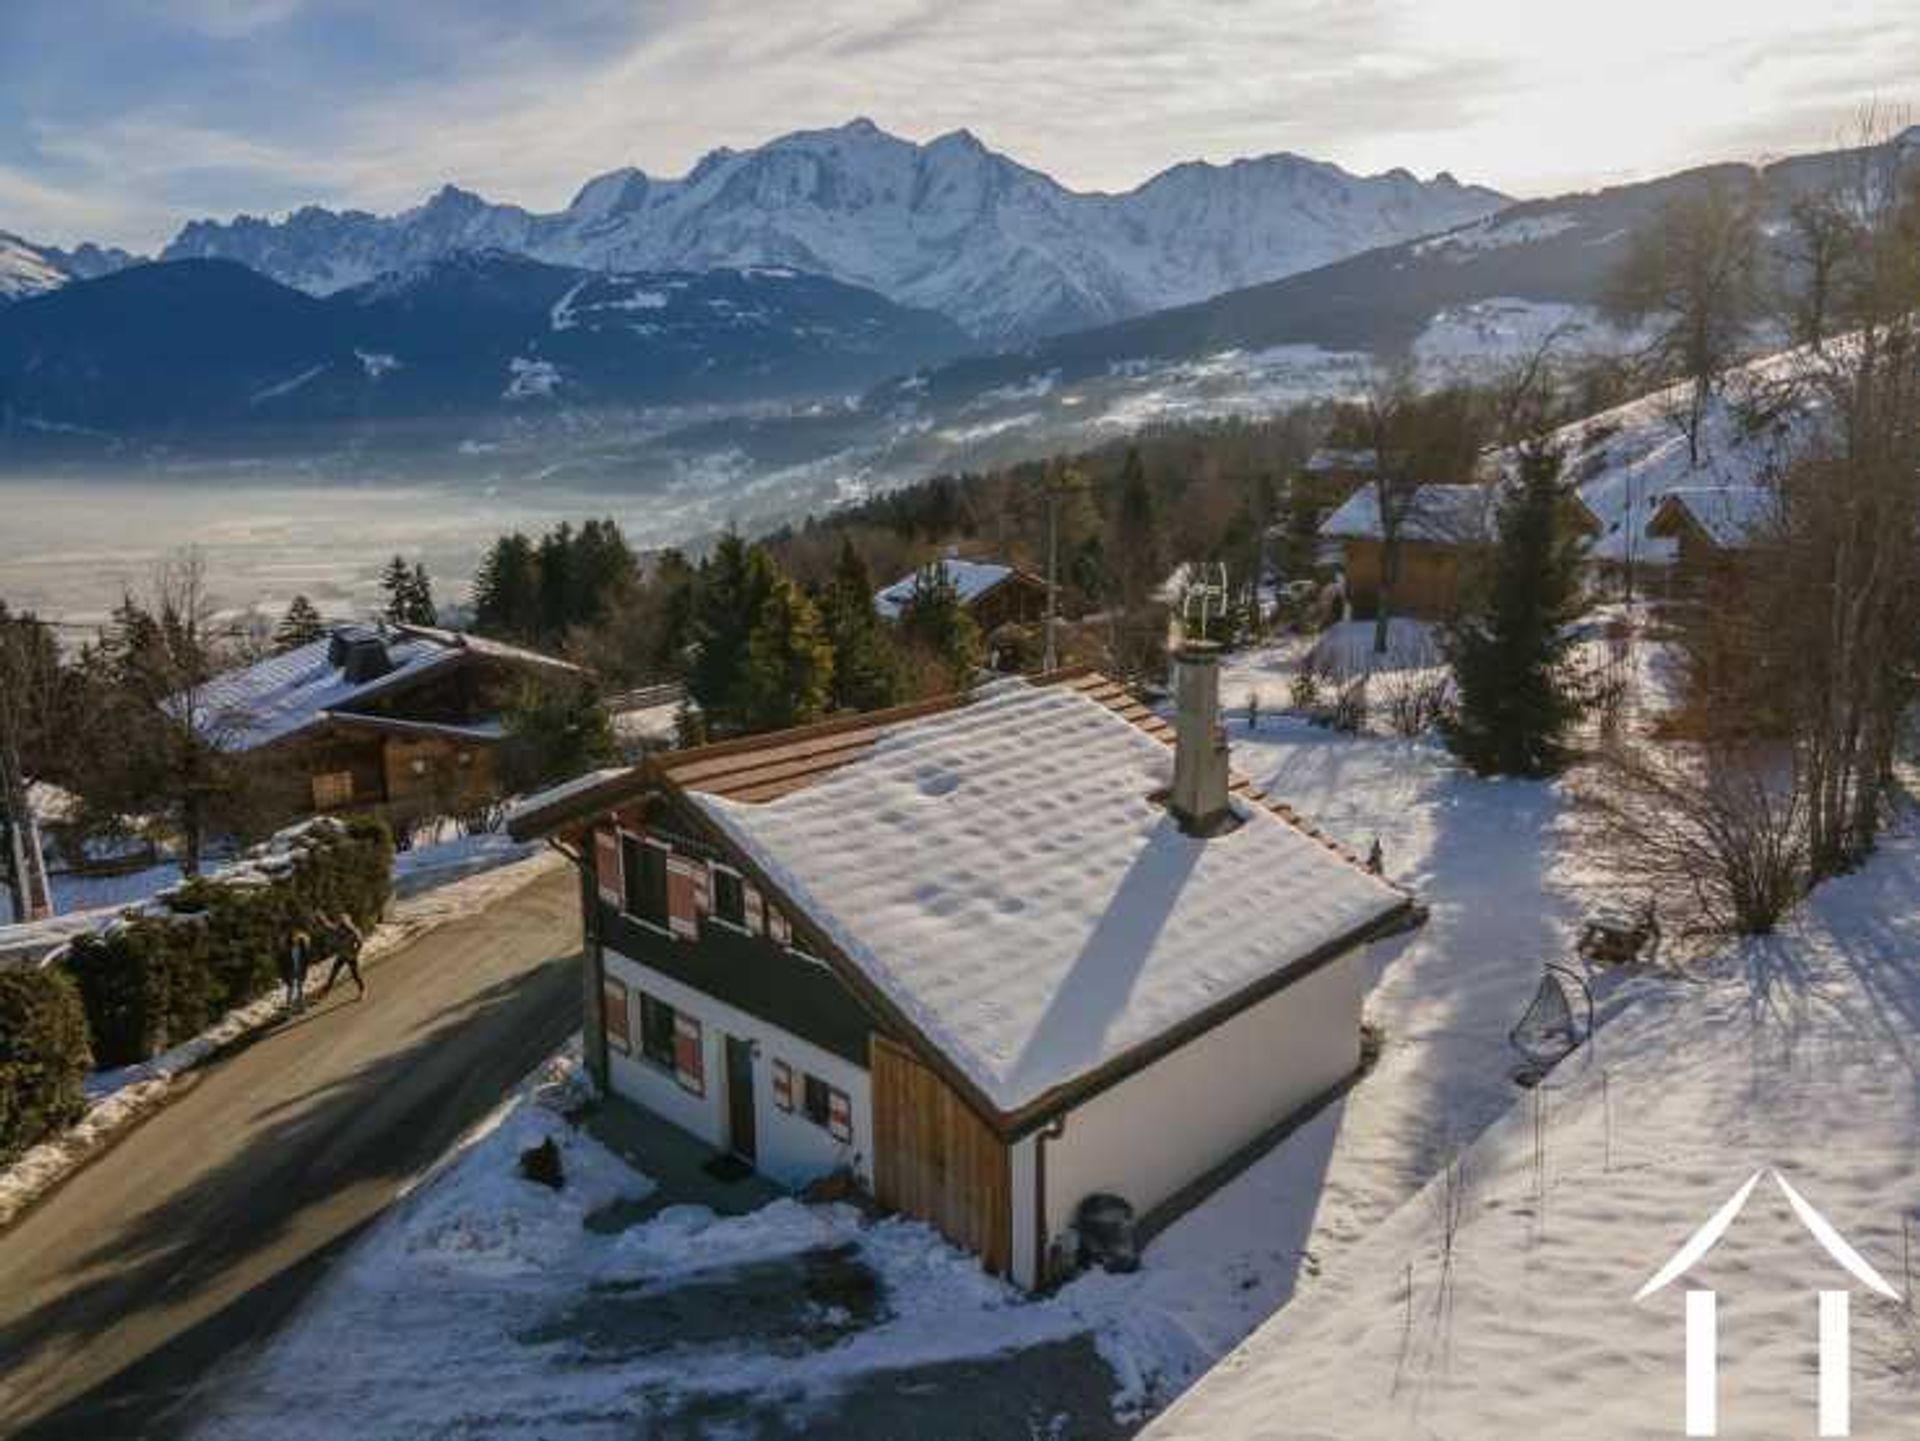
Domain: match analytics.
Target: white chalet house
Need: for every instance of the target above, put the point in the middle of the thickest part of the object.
(990, 954)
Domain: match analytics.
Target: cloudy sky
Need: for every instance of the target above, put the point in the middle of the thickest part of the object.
(119, 119)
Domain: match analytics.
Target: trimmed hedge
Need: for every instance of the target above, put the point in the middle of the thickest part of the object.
(43, 1057)
(163, 974)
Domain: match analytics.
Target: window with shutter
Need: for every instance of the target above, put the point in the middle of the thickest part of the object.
(777, 926)
(729, 897)
(606, 865)
(783, 1085)
(756, 911)
(658, 1033)
(683, 914)
(689, 1061)
(644, 873)
(839, 1116)
(613, 1008)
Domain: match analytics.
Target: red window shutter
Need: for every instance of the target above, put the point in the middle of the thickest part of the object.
(613, 1009)
(756, 911)
(783, 1085)
(683, 915)
(606, 864)
(689, 1061)
(839, 1116)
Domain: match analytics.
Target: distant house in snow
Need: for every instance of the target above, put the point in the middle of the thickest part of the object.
(401, 720)
(994, 594)
(1441, 528)
(989, 954)
(1710, 525)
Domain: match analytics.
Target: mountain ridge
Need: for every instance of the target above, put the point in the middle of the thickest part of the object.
(948, 225)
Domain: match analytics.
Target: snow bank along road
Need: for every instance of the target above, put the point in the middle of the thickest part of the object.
(189, 1241)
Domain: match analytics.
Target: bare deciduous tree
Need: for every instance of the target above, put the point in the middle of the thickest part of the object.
(1693, 277)
(1717, 836)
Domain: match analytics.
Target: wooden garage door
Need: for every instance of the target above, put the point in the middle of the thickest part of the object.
(935, 1159)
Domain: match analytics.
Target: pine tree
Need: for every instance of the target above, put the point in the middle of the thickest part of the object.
(733, 585)
(936, 625)
(506, 590)
(553, 732)
(1136, 537)
(396, 583)
(301, 625)
(420, 609)
(866, 673)
(1511, 652)
(554, 581)
(788, 675)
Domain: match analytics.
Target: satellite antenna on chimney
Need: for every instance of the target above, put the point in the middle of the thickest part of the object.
(1205, 599)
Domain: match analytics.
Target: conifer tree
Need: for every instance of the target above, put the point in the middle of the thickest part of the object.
(936, 625)
(788, 676)
(1511, 652)
(396, 583)
(301, 625)
(1136, 536)
(420, 609)
(866, 674)
(506, 590)
(733, 585)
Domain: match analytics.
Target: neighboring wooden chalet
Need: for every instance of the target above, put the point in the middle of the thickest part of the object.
(994, 594)
(1709, 526)
(1441, 529)
(398, 719)
(988, 954)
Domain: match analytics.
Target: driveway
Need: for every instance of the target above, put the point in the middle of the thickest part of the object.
(189, 1241)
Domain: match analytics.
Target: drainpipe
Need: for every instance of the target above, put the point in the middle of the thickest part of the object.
(1052, 1131)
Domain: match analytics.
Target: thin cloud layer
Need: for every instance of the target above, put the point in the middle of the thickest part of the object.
(120, 119)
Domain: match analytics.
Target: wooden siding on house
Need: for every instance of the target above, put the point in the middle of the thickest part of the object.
(935, 1160)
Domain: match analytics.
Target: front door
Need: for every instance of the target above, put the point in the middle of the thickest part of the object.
(740, 1097)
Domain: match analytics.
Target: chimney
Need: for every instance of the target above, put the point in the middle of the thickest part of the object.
(1199, 797)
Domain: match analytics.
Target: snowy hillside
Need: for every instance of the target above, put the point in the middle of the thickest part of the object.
(950, 226)
(1627, 460)
(1795, 1053)
(28, 269)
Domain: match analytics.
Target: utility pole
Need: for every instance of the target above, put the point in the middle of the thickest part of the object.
(1052, 660)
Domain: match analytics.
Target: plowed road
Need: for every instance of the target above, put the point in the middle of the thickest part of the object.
(195, 1236)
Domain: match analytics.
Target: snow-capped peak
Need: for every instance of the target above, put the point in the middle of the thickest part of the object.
(949, 225)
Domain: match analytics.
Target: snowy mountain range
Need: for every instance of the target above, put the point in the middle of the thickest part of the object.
(1005, 251)
(29, 269)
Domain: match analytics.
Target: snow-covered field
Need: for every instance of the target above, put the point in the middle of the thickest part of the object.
(1490, 859)
(1799, 1052)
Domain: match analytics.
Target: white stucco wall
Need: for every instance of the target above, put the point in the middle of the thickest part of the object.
(789, 1147)
(1163, 1127)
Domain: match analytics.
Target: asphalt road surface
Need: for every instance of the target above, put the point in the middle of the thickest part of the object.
(194, 1237)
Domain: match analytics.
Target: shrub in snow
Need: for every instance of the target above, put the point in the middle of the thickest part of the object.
(43, 1057)
(541, 1165)
(171, 968)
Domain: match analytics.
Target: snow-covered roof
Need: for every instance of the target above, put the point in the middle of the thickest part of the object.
(1330, 459)
(528, 807)
(1730, 516)
(1441, 514)
(1627, 460)
(257, 705)
(282, 695)
(1001, 873)
(971, 579)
